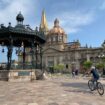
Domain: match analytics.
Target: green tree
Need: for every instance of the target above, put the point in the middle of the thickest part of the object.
(87, 65)
(100, 65)
(103, 61)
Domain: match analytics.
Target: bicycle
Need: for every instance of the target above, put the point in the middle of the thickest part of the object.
(95, 85)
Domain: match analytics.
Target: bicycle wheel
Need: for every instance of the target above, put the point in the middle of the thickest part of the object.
(91, 85)
(100, 88)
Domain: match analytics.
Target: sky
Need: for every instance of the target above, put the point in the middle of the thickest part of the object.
(82, 20)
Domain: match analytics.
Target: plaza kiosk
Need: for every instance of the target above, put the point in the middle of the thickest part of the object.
(21, 37)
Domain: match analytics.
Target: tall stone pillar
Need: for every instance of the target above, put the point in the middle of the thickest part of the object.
(88, 57)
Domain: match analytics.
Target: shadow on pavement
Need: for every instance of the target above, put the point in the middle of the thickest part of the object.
(80, 91)
(76, 87)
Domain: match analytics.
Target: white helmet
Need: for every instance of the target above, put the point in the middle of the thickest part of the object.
(93, 67)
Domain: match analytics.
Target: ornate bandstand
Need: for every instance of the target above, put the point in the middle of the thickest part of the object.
(21, 37)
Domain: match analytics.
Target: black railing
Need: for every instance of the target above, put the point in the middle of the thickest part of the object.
(26, 66)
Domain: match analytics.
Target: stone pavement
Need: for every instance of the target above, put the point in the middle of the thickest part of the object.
(54, 91)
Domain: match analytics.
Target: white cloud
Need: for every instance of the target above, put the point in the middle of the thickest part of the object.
(10, 8)
(71, 29)
(72, 22)
(102, 7)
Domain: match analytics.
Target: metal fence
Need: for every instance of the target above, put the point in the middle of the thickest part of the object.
(22, 66)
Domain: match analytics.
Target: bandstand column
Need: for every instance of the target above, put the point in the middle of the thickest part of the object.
(9, 54)
(24, 55)
(41, 57)
(32, 54)
(36, 55)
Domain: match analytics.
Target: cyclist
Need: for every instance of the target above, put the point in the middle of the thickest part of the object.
(94, 73)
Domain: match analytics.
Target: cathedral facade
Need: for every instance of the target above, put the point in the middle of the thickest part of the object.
(57, 51)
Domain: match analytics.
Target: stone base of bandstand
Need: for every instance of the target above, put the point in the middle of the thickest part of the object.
(21, 75)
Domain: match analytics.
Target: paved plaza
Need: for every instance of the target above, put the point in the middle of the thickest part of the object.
(56, 90)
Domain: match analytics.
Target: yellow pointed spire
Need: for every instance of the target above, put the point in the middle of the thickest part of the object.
(43, 25)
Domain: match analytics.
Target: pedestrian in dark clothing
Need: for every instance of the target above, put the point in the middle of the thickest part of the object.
(76, 72)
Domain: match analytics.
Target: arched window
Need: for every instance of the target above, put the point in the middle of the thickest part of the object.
(54, 38)
(49, 39)
(60, 38)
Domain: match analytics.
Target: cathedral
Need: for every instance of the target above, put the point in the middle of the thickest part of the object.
(57, 51)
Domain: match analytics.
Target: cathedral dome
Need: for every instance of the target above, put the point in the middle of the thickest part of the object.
(57, 29)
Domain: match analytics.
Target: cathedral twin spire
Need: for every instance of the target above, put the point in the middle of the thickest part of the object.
(43, 24)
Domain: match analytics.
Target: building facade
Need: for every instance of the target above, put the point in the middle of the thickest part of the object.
(57, 50)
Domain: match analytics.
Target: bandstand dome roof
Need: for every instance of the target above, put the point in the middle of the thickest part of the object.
(19, 17)
(56, 29)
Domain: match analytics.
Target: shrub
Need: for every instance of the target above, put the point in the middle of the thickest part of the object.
(58, 68)
(87, 65)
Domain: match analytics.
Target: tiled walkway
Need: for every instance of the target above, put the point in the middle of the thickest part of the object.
(54, 91)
